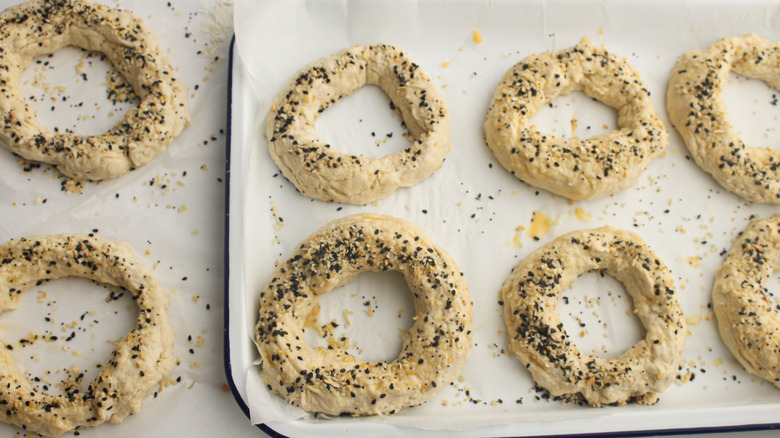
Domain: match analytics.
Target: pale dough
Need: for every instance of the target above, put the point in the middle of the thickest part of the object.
(319, 170)
(698, 111)
(139, 361)
(41, 27)
(332, 381)
(539, 340)
(748, 318)
(576, 168)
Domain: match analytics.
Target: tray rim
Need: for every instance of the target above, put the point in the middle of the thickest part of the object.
(233, 58)
(228, 365)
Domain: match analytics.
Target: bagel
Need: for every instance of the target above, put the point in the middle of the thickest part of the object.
(41, 27)
(575, 168)
(698, 112)
(139, 361)
(319, 170)
(748, 319)
(331, 381)
(539, 340)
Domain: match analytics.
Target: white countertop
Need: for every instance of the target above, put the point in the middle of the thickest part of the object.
(171, 211)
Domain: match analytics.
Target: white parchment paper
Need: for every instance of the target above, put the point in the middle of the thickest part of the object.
(487, 219)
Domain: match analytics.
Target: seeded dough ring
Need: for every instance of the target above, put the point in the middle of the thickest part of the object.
(332, 381)
(698, 111)
(320, 171)
(539, 340)
(572, 167)
(41, 27)
(748, 320)
(137, 364)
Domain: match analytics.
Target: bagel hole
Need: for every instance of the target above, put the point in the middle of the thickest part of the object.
(76, 91)
(364, 123)
(597, 313)
(366, 317)
(575, 115)
(64, 331)
(772, 288)
(753, 111)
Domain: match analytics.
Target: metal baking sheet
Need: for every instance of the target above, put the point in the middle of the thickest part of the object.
(489, 221)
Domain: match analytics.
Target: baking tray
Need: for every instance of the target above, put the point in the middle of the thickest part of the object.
(684, 215)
